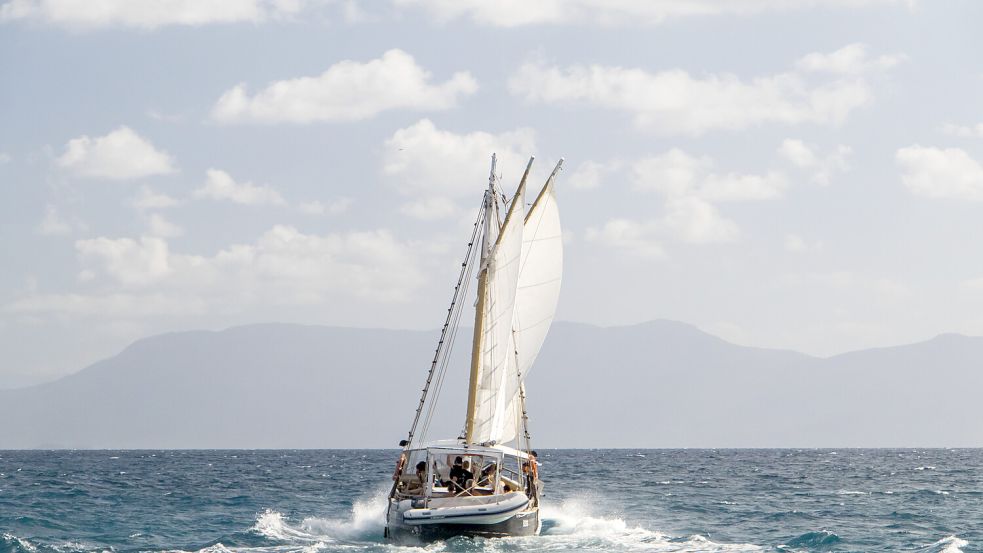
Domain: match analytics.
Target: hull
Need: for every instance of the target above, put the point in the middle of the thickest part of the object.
(522, 523)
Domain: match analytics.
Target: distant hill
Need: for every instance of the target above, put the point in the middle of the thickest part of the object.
(658, 384)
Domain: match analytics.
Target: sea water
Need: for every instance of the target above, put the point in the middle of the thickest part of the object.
(595, 500)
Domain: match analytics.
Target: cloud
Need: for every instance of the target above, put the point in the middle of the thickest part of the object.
(881, 288)
(4, 158)
(694, 220)
(334, 207)
(849, 60)
(430, 209)
(805, 157)
(219, 185)
(148, 199)
(940, 173)
(674, 102)
(116, 305)
(590, 174)
(795, 244)
(128, 261)
(157, 225)
(347, 91)
(122, 154)
(52, 224)
(142, 277)
(513, 13)
(637, 238)
(676, 174)
(435, 162)
(145, 15)
(964, 131)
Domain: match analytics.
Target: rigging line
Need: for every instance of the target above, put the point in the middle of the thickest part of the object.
(443, 332)
(455, 327)
(451, 340)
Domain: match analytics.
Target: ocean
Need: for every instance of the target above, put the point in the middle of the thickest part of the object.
(595, 500)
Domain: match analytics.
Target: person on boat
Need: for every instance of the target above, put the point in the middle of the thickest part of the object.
(460, 475)
(487, 477)
(530, 477)
(418, 481)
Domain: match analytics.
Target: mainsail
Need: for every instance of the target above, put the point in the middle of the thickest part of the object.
(517, 294)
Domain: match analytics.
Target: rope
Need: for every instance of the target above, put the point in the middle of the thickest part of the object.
(442, 343)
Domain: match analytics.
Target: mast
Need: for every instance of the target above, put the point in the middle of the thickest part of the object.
(476, 344)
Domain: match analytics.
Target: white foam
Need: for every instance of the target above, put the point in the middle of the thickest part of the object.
(366, 520)
(950, 544)
(572, 526)
(272, 524)
(24, 544)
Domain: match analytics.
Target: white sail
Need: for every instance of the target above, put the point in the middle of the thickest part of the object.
(540, 273)
(498, 381)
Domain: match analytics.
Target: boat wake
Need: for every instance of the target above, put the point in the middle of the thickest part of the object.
(569, 526)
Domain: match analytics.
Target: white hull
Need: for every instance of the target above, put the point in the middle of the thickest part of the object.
(471, 510)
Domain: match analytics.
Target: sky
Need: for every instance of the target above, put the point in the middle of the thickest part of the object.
(786, 174)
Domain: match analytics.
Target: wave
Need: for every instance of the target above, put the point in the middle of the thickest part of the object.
(951, 544)
(10, 543)
(810, 540)
(14, 544)
(571, 525)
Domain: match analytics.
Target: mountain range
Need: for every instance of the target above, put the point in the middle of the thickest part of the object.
(656, 384)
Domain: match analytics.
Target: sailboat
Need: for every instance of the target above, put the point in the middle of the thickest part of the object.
(486, 481)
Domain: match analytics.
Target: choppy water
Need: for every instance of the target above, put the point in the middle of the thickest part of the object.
(596, 500)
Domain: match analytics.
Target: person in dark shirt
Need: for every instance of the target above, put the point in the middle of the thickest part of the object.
(460, 476)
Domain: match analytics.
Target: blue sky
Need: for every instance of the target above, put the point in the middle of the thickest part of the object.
(803, 175)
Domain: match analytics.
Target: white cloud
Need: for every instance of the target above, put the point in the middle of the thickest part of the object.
(116, 305)
(677, 174)
(430, 209)
(284, 266)
(883, 289)
(514, 13)
(334, 207)
(941, 173)
(964, 131)
(157, 225)
(219, 185)
(796, 152)
(121, 154)
(638, 238)
(145, 15)
(437, 162)
(590, 174)
(849, 60)
(694, 220)
(52, 224)
(347, 91)
(674, 102)
(148, 199)
(822, 167)
(4, 158)
(795, 244)
(128, 261)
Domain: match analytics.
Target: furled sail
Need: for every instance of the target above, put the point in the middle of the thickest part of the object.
(497, 380)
